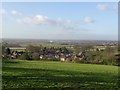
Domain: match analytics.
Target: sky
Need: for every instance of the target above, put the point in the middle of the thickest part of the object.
(60, 20)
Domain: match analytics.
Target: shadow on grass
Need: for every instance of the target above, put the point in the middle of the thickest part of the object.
(46, 78)
(9, 61)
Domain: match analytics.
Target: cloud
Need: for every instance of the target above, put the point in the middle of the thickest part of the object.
(14, 12)
(25, 20)
(2, 11)
(88, 20)
(59, 22)
(41, 19)
(102, 7)
(115, 7)
(37, 19)
(65, 24)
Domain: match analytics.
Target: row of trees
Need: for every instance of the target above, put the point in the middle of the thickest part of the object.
(108, 56)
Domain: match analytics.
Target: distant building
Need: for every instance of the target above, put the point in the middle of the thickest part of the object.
(51, 41)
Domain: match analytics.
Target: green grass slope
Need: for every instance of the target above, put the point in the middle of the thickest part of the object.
(46, 74)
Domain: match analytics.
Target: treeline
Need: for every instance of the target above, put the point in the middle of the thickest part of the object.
(108, 56)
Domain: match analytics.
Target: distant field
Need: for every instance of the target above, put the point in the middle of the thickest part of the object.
(18, 48)
(43, 44)
(46, 74)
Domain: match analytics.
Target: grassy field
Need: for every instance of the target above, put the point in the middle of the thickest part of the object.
(46, 74)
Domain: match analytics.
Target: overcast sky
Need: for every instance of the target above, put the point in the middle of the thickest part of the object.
(67, 20)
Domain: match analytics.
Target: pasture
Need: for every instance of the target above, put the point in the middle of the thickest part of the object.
(58, 75)
(18, 49)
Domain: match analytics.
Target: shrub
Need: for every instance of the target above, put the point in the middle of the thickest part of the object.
(24, 56)
(35, 56)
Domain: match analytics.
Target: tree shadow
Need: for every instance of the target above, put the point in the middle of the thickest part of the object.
(9, 61)
(55, 78)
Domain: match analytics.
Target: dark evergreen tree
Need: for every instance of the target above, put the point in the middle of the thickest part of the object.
(8, 51)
